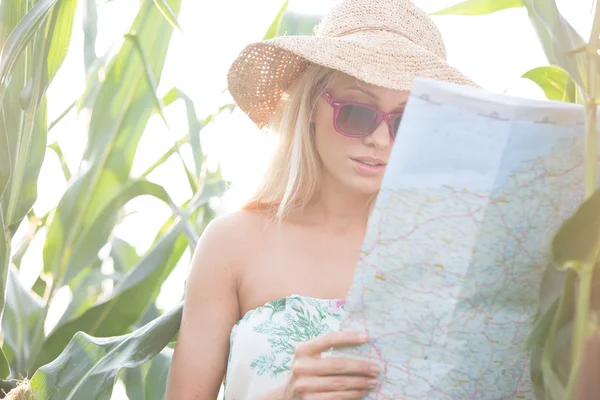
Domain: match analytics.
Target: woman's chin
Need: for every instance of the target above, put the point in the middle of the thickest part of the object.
(365, 185)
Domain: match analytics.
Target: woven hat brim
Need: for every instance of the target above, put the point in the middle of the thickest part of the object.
(264, 70)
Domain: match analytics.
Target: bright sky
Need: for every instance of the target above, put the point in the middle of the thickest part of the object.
(494, 50)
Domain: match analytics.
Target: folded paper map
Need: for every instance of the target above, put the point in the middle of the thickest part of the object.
(447, 283)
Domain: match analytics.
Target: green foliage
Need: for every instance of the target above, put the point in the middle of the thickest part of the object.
(554, 81)
(89, 365)
(102, 330)
(275, 25)
(570, 287)
(479, 7)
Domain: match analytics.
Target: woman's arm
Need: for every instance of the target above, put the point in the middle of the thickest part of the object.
(210, 311)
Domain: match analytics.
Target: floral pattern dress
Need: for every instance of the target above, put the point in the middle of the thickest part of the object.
(263, 342)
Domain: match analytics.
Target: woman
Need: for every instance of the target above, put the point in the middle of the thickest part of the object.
(265, 294)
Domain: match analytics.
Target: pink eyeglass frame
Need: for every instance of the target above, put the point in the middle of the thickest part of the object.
(336, 104)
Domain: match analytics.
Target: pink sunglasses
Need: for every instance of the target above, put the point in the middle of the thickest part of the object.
(354, 119)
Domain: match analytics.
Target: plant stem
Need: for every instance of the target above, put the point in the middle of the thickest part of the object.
(580, 329)
(582, 310)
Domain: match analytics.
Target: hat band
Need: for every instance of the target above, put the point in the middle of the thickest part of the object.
(372, 29)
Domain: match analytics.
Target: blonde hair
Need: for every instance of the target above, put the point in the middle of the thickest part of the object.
(293, 178)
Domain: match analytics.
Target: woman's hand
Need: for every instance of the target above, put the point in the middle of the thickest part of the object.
(313, 377)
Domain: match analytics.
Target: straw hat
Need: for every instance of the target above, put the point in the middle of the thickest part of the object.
(382, 42)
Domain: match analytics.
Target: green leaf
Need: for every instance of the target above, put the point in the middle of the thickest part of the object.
(479, 7)
(11, 12)
(558, 38)
(86, 288)
(63, 114)
(90, 33)
(194, 128)
(174, 149)
(4, 367)
(88, 365)
(554, 81)
(23, 311)
(128, 300)
(294, 23)
(61, 158)
(124, 255)
(133, 379)
(4, 263)
(39, 287)
(149, 381)
(553, 364)
(150, 79)
(120, 112)
(23, 126)
(274, 28)
(540, 330)
(166, 11)
(58, 16)
(20, 36)
(578, 239)
(60, 28)
(156, 377)
(550, 292)
(94, 237)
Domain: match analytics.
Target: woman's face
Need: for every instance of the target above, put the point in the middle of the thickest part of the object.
(357, 163)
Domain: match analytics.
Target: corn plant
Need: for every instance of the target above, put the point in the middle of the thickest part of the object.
(102, 332)
(568, 302)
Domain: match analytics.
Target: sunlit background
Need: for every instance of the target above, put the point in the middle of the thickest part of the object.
(494, 50)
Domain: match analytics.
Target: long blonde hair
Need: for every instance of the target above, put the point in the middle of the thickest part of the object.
(293, 178)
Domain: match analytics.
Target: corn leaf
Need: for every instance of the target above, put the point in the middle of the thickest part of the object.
(86, 288)
(156, 377)
(558, 38)
(121, 110)
(4, 260)
(90, 32)
(23, 123)
(296, 23)
(88, 365)
(123, 254)
(54, 19)
(61, 158)
(479, 7)
(168, 13)
(148, 74)
(22, 312)
(60, 27)
(274, 28)
(94, 236)
(149, 381)
(4, 367)
(554, 81)
(127, 301)
(4, 263)
(578, 238)
(194, 128)
(21, 34)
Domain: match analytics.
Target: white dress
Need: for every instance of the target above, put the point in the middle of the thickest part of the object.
(263, 342)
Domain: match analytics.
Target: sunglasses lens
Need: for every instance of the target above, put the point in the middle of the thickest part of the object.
(355, 120)
(396, 125)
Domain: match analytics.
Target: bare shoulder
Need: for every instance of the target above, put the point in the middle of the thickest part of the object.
(211, 306)
(227, 243)
(232, 235)
(237, 225)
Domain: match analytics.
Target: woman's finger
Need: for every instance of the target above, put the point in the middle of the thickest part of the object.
(308, 366)
(332, 339)
(336, 384)
(346, 395)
